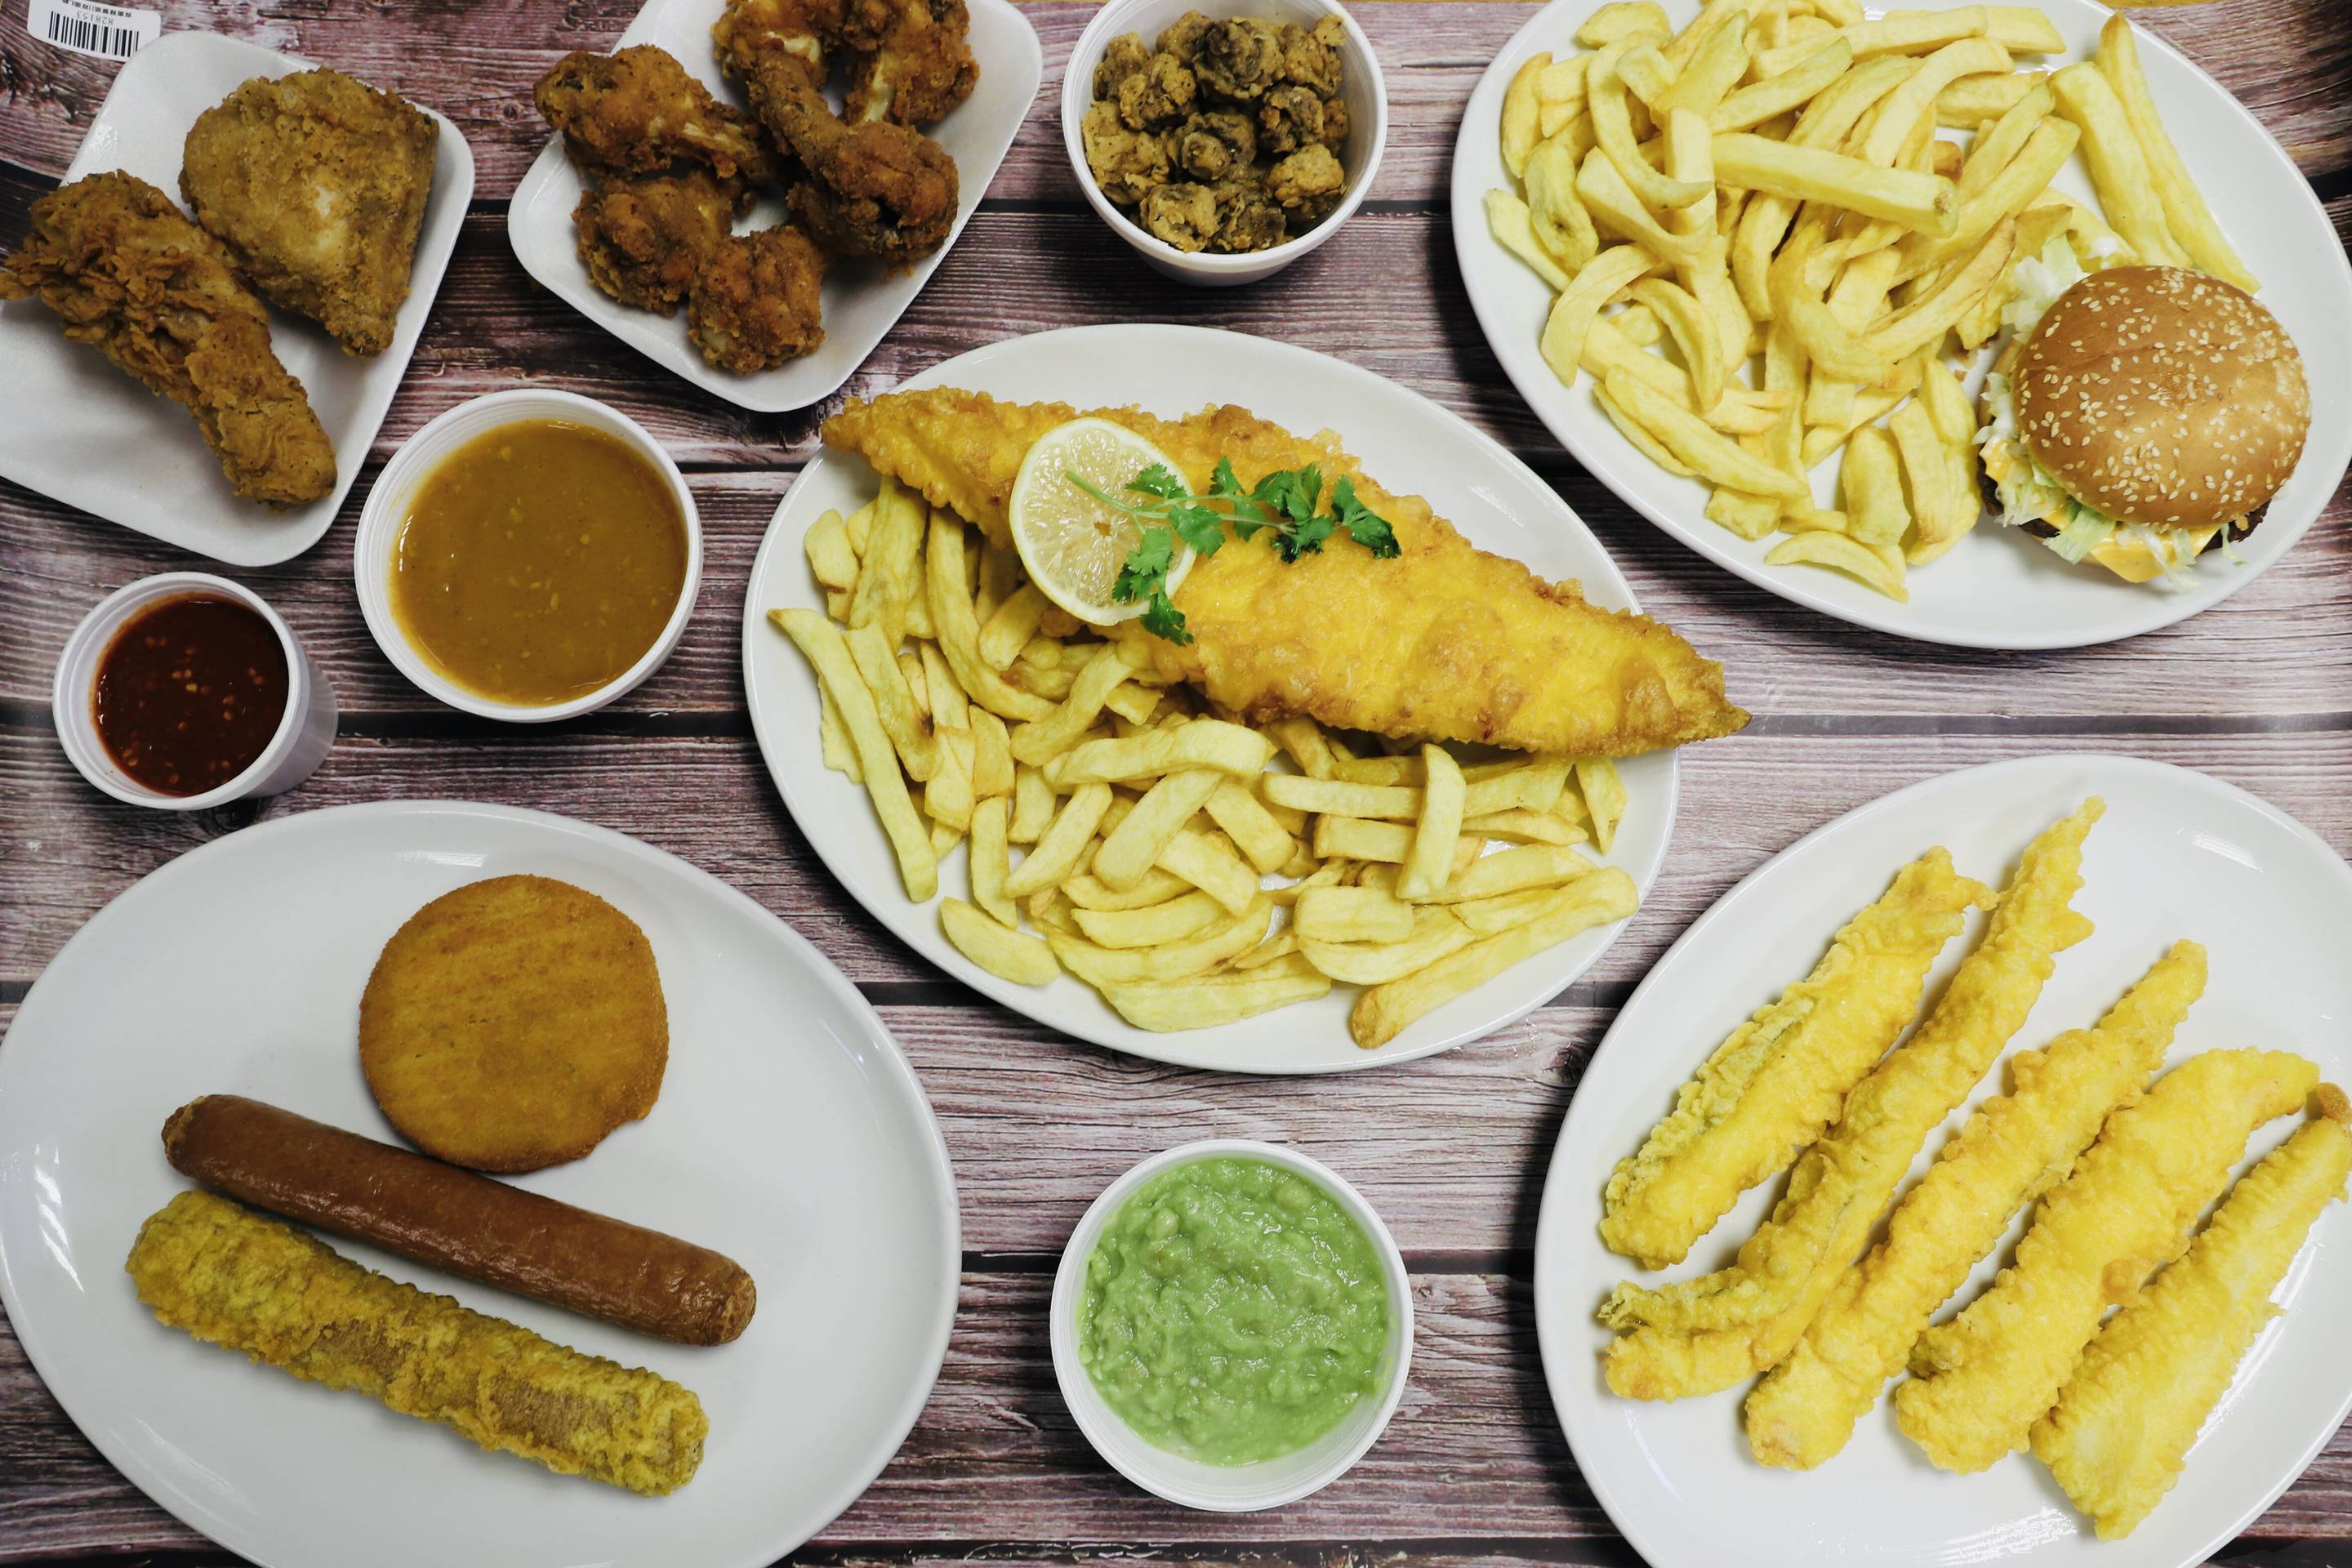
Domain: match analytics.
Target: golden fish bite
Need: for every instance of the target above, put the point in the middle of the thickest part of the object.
(1445, 642)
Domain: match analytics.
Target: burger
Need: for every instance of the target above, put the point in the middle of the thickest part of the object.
(2138, 416)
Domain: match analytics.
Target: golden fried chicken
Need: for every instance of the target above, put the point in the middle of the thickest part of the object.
(750, 31)
(642, 240)
(913, 64)
(754, 302)
(129, 274)
(875, 189)
(637, 111)
(317, 184)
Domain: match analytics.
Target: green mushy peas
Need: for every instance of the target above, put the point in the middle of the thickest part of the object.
(1234, 1311)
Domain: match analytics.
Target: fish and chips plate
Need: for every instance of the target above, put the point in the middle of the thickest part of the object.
(2212, 911)
(79, 430)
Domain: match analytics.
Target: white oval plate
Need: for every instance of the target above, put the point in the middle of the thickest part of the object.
(2178, 854)
(67, 404)
(791, 1134)
(1416, 447)
(862, 300)
(1999, 588)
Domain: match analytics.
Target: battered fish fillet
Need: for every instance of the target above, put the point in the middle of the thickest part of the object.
(128, 273)
(1702, 1335)
(1778, 1080)
(1979, 1382)
(2117, 1440)
(2010, 1152)
(1444, 643)
(318, 183)
(252, 1284)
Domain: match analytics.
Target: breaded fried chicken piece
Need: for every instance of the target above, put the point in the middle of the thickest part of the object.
(641, 240)
(130, 275)
(755, 300)
(808, 31)
(317, 184)
(875, 189)
(637, 111)
(249, 1283)
(913, 62)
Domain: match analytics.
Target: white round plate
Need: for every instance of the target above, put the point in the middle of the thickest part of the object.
(1999, 588)
(2178, 854)
(1414, 446)
(791, 1134)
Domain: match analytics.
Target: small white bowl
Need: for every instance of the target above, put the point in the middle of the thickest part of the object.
(387, 507)
(299, 745)
(1361, 85)
(1228, 1488)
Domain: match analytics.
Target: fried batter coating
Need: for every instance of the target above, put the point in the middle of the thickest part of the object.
(913, 63)
(240, 1280)
(1123, 56)
(1778, 1080)
(1306, 185)
(1702, 1335)
(637, 111)
(1158, 96)
(127, 273)
(1289, 119)
(1184, 215)
(1210, 146)
(642, 240)
(755, 301)
(750, 31)
(1238, 59)
(2013, 1148)
(1127, 165)
(875, 189)
(317, 184)
(1310, 57)
(2121, 1429)
(1250, 221)
(1979, 1382)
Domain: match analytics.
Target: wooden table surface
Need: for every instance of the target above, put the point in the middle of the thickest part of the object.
(1451, 1151)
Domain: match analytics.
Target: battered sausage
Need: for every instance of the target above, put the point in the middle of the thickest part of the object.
(460, 1222)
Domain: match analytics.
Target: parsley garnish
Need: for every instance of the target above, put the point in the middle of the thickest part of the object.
(1288, 501)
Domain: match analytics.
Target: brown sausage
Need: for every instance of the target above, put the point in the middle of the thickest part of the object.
(455, 1220)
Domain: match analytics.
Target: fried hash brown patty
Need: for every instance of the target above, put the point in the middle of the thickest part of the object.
(249, 1283)
(513, 1024)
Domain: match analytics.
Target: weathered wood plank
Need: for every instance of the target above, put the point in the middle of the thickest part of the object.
(2288, 61)
(65, 850)
(1473, 1453)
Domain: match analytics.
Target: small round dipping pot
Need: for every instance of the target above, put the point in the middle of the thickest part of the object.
(411, 473)
(305, 730)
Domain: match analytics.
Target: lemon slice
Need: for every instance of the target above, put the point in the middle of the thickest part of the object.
(1071, 544)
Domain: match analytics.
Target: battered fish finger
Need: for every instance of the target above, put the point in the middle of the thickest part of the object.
(2143, 1388)
(1702, 1335)
(251, 1284)
(2006, 1155)
(1979, 1382)
(1778, 1080)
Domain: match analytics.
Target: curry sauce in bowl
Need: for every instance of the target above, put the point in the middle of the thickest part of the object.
(529, 556)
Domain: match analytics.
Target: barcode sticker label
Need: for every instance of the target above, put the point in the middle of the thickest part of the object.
(87, 28)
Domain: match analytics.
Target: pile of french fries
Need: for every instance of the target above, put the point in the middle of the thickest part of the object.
(1765, 192)
(1164, 859)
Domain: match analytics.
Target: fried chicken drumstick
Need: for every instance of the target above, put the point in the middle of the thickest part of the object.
(637, 111)
(129, 274)
(913, 64)
(875, 189)
(641, 240)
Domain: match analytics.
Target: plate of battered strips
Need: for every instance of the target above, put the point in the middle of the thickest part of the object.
(1992, 325)
(752, 192)
(470, 1185)
(254, 244)
(1989, 1199)
(1389, 769)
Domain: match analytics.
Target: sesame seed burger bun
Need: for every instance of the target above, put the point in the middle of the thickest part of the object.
(2163, 397)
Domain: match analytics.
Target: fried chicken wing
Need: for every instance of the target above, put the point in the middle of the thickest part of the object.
(2121, 1429)
(752, 31)
(875, 189)
(755, 300)
(127, 273)
(637, 111)
(317, 184)
(1699, 1336)
(642, 240)
(1981, 1382)
(1444, 642)
(2014, 1148)
(912, 61)
(1778, 1080)
(258, 1286)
